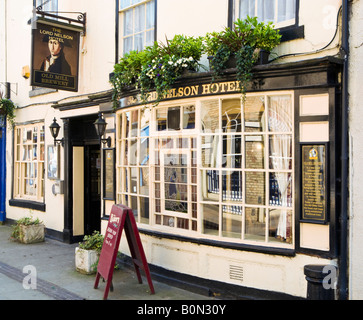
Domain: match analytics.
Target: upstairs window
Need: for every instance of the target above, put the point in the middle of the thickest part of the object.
(281, 13)
(138, 24)
(48, 5)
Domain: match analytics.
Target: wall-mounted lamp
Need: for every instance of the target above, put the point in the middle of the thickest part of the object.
(100, 125)
(54, 130)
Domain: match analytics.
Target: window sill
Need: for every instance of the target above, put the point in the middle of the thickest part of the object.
(221, 244)
(27, 204)
(292, 33)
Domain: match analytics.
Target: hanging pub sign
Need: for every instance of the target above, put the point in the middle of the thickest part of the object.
(314, 183)
(55, 56)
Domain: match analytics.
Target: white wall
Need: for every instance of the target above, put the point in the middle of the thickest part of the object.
(356, 150)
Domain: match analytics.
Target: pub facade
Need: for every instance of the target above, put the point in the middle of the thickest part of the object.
(230, 192)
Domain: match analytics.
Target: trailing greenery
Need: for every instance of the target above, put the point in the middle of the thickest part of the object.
(159, 66)
(242, 43)
(26, 221)
(8, 108)
(92, 242)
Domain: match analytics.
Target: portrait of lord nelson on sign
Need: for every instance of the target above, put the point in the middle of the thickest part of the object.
(55, 57)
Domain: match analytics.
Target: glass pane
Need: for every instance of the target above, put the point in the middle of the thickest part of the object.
(125, 4)
(150, 38)
(144, 181)
(255, 224)
(139, 41)
(174, 118)
(134, 123)
(232, 186)
(210, 116)
(280, 114)
(266, 10)
(280, 226)
(254, 114)
(140, 18)
(232, 221)
(133, 152)
(280, 152)
(127, 44)
(145, 122)
(280, 185)
(144, 152)
(134, 207)
(232, 152)
(210, 151)
(182, 223)
(210, 213)
(246, 8)
(254, 152)
(144, 210)
(189, 117)
(150, 14)
(255, 188)
(231, 115)
(210, 185)
(128, 23)
(161, 116)
(286, 10)
(133, 180)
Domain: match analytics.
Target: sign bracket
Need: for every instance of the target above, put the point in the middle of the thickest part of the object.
(80, 21)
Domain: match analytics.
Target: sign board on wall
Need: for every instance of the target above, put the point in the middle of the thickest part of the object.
(314, 183)
(55, 56)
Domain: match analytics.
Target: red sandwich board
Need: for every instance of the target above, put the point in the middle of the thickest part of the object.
(121, 217)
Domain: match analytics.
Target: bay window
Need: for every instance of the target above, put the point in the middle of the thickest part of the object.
(216, 168)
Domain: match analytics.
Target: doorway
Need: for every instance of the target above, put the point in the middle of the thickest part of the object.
(92, 189)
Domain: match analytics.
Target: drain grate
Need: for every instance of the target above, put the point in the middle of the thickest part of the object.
(236, 273)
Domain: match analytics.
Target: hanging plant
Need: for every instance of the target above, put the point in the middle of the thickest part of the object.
(157, 67)
(8, 108)
(242, 43)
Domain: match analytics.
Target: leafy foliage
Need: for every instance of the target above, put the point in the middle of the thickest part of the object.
(92, 242)
(25, 221)
(8, 108)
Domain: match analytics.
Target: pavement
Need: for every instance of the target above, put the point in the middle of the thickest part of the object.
(46, 271)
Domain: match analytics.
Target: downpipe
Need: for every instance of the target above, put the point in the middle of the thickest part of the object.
(343, 257)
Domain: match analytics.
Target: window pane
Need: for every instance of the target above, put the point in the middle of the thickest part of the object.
(210, 213)
(232, 186)
(144, 181)
(280, 185)
(247, 8)
(280, 114)
(266, 10)
(280, 225)
(128, 22)
(210, 116)
(255, 188)
(127, 44)
(254, 152)
(189, 117)
(210, 151)
(139, 18)
(255, 224)
(231, 221)
(144, 210)
(254, 114)
(280, 152)
(231, 115)
(150, 14)
(139, 41)
(232, 151)
(286, 10)
(210, 185)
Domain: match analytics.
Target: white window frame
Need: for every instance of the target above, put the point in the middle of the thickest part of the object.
(122, 12)
(282, 24)
(231, 209)
(21, 160)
